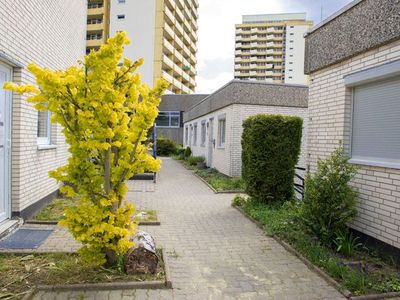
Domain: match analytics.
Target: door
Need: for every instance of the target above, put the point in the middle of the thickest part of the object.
(5, 113)
(211, 141)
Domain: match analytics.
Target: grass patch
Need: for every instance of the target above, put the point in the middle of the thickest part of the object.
(371, 275)
(20, 273)
(220, 182)
(55, 211)
(145, 216)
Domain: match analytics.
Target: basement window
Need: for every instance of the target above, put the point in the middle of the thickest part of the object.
(121, 17)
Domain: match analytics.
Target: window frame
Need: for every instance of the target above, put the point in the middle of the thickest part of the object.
(370, 75)
(171, 114)
(44, 141)
(203, 137)
(221, 143)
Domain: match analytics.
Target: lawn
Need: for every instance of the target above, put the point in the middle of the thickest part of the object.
(20, 273)
(220, 182)
(365, 271)
(55, 211)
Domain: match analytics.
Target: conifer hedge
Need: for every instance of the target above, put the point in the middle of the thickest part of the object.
(270, 151)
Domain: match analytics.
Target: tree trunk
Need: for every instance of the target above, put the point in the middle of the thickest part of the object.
(111, 258)
(142, 258)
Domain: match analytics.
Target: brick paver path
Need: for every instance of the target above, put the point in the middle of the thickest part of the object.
(213, 251)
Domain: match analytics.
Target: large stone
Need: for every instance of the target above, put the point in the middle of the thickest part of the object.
(142, 258)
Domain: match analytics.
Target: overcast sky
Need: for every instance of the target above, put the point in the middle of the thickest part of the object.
(217, 19)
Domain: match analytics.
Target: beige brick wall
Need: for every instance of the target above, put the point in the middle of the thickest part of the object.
(51, 34)
(330, 121)
(228, 160)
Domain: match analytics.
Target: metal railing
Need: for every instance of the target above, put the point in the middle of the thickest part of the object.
(299, 187)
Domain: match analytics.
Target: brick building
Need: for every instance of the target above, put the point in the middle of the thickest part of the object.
(354, 62)
(213, 127)
(51, 34)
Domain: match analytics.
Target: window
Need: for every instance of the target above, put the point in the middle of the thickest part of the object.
(44, 128)
(376, 123)
(221, 131)
(203, 133)
(186, 135)
(120, 17)
(195, 134)
(170, 119)
(121, 1)
(97, 36)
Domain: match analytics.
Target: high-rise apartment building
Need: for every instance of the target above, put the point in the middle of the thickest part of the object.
(271, 48)
(98, 20)
(163, 32)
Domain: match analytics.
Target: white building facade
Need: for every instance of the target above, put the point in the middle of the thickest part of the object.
(50, 34)
(355, 98)
(213, 128)
(270, 48)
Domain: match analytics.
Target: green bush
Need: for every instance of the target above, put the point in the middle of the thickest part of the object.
(187, 152)
(193, 160)
(329, 202)
(165, 147)
(270, 150)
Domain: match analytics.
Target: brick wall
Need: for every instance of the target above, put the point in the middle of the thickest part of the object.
(330, 121)
(228, 160)
(51, 34)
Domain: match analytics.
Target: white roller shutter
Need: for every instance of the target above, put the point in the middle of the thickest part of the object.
(376, 122)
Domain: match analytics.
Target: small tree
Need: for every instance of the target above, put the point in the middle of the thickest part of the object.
(329, 201)
(105, 112)
(270, 151)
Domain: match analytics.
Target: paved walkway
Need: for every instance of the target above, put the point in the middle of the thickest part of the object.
(214, 252)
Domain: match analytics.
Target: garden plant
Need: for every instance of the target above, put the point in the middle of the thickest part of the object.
(270, 151)
(105, 113)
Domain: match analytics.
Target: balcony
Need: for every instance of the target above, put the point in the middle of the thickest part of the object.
(178, 57)
(170, 4)
(178, 29)
(168, 62)
(193, 60)
(178, 43)
(180, 3)
(186, 39)
(169, 16)
(185, 77)
(169, 32)
(186, 52)
(168, 47)
(167, 77)
(95, 27)
(177, 83)
(179, 15)
(94, 43)
(193, 47)
(96, 11)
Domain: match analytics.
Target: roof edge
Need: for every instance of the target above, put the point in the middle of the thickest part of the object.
(333, 16)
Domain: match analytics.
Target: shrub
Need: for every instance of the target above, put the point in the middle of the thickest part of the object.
(165, 147)
(329, 202)
(193, 160)
(187, 152)
(270, 150)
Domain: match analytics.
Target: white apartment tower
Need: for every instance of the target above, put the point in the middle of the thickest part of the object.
(271, 48)
(164, 33)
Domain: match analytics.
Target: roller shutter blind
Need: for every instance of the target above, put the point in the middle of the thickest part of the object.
(376, 121)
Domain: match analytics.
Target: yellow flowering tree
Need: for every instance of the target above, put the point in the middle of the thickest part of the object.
(105, 113)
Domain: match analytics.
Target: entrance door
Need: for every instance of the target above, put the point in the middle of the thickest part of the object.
(210, 129)
(5, 102)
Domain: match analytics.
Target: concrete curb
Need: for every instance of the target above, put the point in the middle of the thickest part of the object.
(309, 264)
(40, 222)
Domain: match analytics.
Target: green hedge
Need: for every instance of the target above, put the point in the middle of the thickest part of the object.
(165, 147)
(270, 151)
